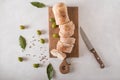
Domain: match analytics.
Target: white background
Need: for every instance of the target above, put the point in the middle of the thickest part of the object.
(100, 19)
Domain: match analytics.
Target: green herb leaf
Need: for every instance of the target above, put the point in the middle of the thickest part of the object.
(22, 42)
(50, 71)
(38, 4)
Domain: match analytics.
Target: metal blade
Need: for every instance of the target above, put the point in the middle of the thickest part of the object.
(85, 39)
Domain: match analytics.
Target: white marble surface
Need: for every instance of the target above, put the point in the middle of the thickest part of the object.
(99, 19)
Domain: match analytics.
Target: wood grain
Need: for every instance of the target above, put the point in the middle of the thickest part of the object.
(73, 15)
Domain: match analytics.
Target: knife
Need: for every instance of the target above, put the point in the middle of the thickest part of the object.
(91, 48)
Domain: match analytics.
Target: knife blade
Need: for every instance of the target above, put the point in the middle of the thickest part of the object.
(91, 48)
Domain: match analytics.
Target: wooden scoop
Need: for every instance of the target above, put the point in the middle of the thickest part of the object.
(64, 67)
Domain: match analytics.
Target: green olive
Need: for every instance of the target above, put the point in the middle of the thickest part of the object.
(39, 32)
(55, 35)
(52, 20)
(54, 25)
(36, 65)
(42, 41)
(20, 59)
(22, 27)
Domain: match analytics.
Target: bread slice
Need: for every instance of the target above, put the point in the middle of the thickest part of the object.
(58, 54)
(60, 13)
(63, 47)
(70, 40)
(67, 29)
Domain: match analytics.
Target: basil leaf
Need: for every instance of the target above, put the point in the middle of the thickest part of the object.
(22, 42)
(50, 71)
(38, 4)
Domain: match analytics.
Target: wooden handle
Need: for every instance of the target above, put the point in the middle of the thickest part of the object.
(64, 67)
(97, 58)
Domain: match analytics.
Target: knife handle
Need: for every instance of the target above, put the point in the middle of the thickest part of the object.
(97, 58)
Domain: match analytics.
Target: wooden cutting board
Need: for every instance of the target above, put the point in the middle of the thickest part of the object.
(73, 15)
